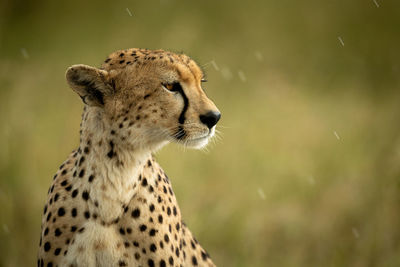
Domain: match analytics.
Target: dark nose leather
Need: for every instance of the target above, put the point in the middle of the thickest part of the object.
(210, 118)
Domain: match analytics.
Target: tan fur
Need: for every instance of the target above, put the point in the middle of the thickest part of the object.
(110, 203)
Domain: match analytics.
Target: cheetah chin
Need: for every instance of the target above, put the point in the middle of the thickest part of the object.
(200, 141)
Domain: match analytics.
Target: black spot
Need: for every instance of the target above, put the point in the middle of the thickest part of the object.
(74, 193)
(87, 214)
(152, 208)
(74, 212)
(146, 96)
(91, 178)
(177, 227)
(137, 256)
(73, 229)
(162, 263)
(194, 260)
(110, 154)
(177, 252)
(136, 213)
(152, 232)
(142, 227)
(64, 183)
(50, 264)
(64, 172)
(135, 243)
(47, 246)
(48, 216)
(81, 173)
(169, 211)
(175, 212)
(57, 251)
(68, 188)
(61, 211)
(122, 263)
(85, 195)
(82, 159)
(46, 231)
(122, 231)
(57, 232)
(160, 218)
(86, 150)
(153, 248)
(166, 238)
(171, 261)
(121, 61)
(128, 230)
(203, 255)
(144, 182)
(150, 262)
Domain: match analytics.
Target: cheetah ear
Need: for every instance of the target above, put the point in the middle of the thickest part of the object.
(90, 83)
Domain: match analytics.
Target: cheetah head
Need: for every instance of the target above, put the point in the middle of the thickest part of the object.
(151, 97)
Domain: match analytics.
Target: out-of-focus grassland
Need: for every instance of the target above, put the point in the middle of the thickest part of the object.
(307, 172)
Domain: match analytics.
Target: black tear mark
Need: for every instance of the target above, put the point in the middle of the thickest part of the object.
(181, 132)
(178, 88)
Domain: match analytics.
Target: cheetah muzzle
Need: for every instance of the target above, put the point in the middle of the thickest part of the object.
(110, 203)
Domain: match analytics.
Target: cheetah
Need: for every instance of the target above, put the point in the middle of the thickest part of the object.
(110, 203)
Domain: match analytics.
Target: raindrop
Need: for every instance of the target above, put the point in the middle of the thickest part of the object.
(129, 12)
(261, 193)
(24, 53)
(242, 76)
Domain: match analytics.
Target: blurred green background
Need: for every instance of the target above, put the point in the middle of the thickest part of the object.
(307, 170)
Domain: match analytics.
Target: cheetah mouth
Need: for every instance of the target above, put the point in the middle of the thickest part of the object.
(193, 140)
(197, 142)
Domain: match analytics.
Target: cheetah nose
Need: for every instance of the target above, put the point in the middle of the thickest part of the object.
(210, 118)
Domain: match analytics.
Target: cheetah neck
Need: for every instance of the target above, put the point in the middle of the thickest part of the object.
(111, 168)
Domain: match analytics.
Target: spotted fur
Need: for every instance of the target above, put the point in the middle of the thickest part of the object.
(110, 203)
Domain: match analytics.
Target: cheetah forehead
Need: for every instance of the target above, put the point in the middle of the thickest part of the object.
(140, 57)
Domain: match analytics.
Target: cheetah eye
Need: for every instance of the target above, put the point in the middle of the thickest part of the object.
(169, 86)
(203, 80)
(173, 87)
